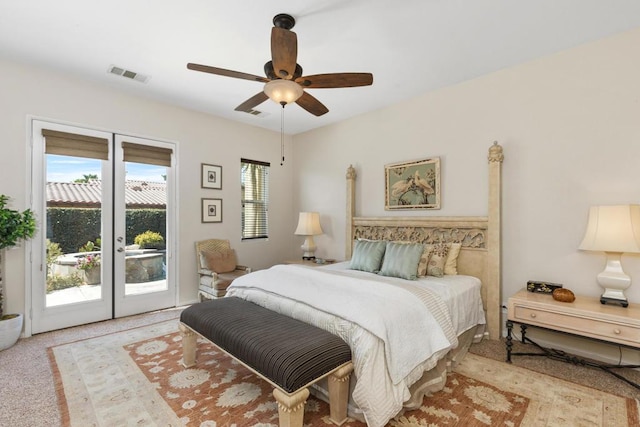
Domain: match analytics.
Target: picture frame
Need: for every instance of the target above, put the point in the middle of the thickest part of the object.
(211, 176)
(413, 185)
(211, 210)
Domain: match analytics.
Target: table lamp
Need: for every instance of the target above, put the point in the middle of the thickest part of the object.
(613, 230)
(309, 226)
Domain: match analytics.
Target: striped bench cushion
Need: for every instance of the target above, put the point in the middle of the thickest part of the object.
(289, 352)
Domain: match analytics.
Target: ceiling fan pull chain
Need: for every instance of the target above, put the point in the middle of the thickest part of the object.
(282, 134)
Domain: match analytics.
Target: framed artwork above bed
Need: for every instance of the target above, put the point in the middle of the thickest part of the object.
(413, 185)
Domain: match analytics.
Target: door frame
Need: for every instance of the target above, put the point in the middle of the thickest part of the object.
(31, 257)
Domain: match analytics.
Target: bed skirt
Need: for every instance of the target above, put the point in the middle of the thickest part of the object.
(431, 381)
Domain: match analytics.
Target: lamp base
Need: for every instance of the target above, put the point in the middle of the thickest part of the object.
(309, 249)
(621, 302)
(614, 281)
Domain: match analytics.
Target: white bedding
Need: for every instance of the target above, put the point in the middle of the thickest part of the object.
(379, 330)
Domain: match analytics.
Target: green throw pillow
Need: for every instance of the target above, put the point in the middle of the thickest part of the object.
(367, 255)
(401, 260)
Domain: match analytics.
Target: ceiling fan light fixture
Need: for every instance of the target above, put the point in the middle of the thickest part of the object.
(283, 92)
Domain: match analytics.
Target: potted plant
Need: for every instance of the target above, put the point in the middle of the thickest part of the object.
(90, 264)
(14, 226)
(149, 240)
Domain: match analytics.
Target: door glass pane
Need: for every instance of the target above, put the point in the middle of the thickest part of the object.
(146, 229)
(73, 227)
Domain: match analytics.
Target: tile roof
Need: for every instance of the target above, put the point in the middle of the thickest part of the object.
(138, 194)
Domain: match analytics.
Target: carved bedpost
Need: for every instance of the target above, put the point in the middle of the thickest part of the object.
(351, 210)
(494, 298)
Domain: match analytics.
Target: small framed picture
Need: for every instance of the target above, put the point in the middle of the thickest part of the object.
(211, 210)
(211, 176)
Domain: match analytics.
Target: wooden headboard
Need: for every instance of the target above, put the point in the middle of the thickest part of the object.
(480, 254)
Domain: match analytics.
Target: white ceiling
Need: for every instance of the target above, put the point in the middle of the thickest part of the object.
(411, 46)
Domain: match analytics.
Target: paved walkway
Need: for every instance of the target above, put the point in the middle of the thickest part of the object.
(92, 292)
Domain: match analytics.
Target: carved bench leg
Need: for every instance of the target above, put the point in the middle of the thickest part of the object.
(188, 346)
(339, 394)
(291, 407)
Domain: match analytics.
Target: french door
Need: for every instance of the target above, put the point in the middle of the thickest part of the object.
(105, 205)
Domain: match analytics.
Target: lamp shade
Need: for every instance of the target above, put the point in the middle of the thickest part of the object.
(613, 229)
(308, 224)
(283, 91)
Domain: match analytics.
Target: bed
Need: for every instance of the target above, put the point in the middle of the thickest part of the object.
(439, 316)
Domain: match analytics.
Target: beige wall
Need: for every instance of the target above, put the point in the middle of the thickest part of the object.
(200, 138)
(570, 127)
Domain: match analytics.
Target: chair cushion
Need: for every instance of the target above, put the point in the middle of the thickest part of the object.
(224, 280)
(221, 262)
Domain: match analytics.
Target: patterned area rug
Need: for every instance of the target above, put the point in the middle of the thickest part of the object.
(134, 378)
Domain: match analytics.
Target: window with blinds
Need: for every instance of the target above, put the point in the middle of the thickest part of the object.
(254, 181)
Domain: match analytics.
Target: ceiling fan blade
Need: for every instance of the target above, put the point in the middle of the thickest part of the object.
(254, 101)
(335, 80)
(226, 73)
(312, 105)
(284, 52)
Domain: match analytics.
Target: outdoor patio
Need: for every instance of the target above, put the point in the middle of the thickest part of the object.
(85, 293)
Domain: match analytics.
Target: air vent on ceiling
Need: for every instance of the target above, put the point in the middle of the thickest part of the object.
(256, 113)
(118, 71)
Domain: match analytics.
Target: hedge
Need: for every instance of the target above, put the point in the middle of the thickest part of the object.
(71, 228)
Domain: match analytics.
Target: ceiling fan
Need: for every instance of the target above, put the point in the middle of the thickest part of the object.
(284, 82)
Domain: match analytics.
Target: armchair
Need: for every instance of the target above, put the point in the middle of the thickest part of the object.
(217, 268)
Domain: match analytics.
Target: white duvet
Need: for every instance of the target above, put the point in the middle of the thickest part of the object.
(396, 329)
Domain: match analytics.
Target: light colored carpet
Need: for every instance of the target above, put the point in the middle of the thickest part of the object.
(134, 378)
(27, 392)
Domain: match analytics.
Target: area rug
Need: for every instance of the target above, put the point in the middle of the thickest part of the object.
(134, 377)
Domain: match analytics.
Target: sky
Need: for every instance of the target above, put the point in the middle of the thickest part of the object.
(68, 169)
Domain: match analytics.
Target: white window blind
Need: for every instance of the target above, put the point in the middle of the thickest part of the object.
(255, 199)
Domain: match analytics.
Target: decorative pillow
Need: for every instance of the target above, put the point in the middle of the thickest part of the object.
(424, 260)
(438, 258)
(451, 264)
(401, 260)
(221, 262)
(367, 255)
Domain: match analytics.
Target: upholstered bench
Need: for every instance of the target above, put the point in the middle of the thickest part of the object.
(289, 354)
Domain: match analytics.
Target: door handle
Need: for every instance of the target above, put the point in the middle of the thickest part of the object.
(119, 239)
(120, 249)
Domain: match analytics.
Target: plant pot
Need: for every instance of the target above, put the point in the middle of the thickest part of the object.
(10, 328)
(92, 276)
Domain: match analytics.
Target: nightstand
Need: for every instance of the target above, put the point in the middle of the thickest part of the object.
(585, 317)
